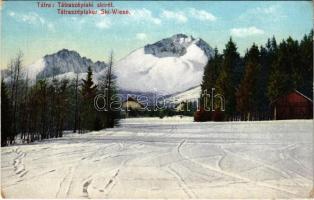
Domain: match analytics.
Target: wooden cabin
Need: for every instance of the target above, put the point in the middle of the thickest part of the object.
(293, 105)
(132, 106)
(182, 106)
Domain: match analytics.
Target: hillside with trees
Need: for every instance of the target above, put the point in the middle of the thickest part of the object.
(47, 108)
(250, 83)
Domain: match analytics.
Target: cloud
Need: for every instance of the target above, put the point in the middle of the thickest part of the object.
(141, 36)
(271, 13)
(244, 32)
(80, 22)
(103, 23)
(144, 15)
(202, 15)
(32, 18)
(11, 14)
(29, 18)
(177, 16)
(51, 27)
(183, 17)
(100, 22)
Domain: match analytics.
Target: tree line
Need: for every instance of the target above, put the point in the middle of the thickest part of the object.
(48, 107)
(250, 83)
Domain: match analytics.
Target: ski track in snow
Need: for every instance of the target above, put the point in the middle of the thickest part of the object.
(166, 158)
(18, 164)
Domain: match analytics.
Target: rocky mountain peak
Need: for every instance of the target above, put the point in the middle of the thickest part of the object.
(175, 46)
(65, 61)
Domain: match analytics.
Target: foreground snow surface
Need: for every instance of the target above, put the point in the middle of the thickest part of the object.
(166, 158)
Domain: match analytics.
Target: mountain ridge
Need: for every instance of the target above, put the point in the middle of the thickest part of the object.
(170, 65)
(65, 61)
(175, 46)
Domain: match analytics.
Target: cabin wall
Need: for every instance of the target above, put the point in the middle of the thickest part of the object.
(131, 105)
(293, 106)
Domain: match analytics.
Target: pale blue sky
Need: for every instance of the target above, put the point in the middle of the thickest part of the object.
(40, 31)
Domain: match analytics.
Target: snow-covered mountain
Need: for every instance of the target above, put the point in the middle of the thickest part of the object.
(64, 63)
(171, 65)
(168, 66)
(190, 95)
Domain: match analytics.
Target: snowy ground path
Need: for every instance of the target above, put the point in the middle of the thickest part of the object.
(166, 158)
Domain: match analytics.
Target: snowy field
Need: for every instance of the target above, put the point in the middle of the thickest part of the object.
(166, 158)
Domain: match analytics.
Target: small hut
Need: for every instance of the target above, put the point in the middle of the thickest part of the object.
(182, 106)
(293, 105)
(131, 107)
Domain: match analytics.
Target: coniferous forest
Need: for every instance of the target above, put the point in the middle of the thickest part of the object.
(45, 109)
(251, 83)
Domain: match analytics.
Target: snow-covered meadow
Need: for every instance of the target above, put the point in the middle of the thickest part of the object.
(166, 158)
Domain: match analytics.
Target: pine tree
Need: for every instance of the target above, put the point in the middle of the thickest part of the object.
(43, 103)
(247, 92)
(211, 72)
(6, 116)
(267, 55)
(37, 111)
(306, 64)
(15, 76)
(109, 118)
(24, 112)
(283, 75)
(61, 106)
(76, 107)
(88, 92)
(52, 129)
(274, 46)
(294, 67)
(229, 76)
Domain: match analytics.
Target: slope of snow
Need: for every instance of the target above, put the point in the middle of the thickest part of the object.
(167, 75)
(188, 95)
(32, 70)
(69, 76)
(166, 158)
